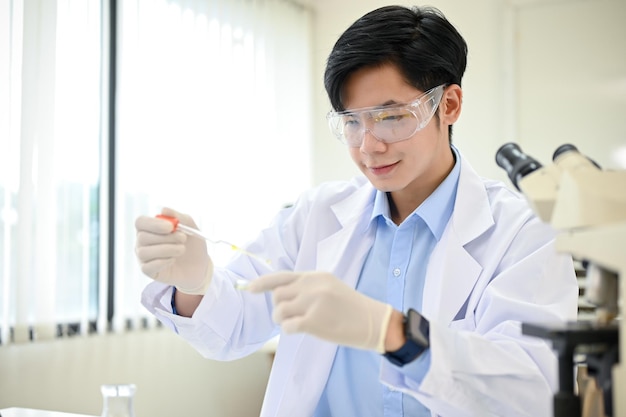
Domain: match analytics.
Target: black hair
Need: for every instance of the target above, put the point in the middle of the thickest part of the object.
(419, 41)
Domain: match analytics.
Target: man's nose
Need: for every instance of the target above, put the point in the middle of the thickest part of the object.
(370, 143)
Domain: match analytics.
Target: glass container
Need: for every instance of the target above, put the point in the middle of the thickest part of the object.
(117, 400)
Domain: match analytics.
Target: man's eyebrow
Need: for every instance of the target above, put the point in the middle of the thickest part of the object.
(385, 104)
(390, 103)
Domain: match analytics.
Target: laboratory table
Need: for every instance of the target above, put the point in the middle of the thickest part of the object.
(28, 412)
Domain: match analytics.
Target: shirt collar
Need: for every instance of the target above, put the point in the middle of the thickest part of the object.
(436, 210)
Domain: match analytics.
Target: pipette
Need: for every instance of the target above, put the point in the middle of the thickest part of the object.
(195, 232)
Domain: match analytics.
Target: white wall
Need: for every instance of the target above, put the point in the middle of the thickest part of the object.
(572, 84)
(540, 73)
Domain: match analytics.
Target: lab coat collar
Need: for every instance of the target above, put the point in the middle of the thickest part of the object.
(435, 210)
(356, 206)
(472, 221)
(452, 270)
(353, 239)
(472, 211)
(470, 218)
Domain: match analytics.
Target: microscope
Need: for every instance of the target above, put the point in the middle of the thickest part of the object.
(586, 205)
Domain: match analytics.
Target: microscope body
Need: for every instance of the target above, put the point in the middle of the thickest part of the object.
(587, 207)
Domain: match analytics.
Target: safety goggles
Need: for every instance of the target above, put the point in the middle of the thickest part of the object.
(388, 124)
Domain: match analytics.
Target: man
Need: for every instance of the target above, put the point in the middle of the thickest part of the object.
(401, 292)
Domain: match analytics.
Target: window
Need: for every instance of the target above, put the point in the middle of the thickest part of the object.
(213, 108)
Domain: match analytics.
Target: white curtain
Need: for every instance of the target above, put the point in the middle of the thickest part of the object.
(213, 119)
(50, 59)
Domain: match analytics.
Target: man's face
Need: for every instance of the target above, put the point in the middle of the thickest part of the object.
(416, 165)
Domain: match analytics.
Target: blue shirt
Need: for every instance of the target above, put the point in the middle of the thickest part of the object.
(400, 253)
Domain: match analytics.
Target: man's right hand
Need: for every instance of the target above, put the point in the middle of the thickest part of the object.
(172, 257)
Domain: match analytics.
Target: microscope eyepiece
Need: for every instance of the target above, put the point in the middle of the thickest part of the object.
(515, 162)
(563, 149)
(566, 148)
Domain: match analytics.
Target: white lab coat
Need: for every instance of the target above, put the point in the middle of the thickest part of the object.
(494, 268)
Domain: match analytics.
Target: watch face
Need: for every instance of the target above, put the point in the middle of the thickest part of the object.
(414, 319)
(417, 327)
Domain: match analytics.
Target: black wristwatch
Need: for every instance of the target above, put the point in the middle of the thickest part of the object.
(417, 333)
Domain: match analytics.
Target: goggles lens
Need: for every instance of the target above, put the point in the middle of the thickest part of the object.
(388, 124)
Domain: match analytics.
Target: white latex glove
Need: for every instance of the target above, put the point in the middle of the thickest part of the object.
(320, 304)
(173, 258)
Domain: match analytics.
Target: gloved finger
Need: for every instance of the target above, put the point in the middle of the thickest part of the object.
(153, 267)
(153, 225)
(149, 238)
(310, 287)
(289, 291)
(272, 281)
(293, 325)
(165, 251)
(288, 309)
(182, 217)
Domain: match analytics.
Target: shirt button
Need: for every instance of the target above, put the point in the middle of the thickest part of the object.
(396, 272)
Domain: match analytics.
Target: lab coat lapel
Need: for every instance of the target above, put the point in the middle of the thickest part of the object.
(452, 270)
(444, 293)
(342, 253)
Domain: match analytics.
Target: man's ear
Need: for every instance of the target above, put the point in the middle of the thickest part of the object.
(451, 103)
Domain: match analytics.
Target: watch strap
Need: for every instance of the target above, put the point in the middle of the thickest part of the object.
(415, 345)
